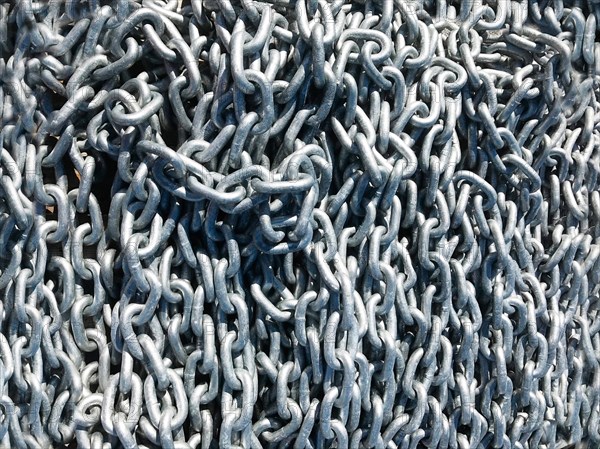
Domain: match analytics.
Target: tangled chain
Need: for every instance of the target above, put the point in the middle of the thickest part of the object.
(299, 224)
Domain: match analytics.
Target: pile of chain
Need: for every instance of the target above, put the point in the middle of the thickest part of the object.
(299, 224)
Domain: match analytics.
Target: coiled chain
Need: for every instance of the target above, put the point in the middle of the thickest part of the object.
(299, 224)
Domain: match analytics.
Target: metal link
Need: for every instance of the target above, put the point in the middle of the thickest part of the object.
(307, 224)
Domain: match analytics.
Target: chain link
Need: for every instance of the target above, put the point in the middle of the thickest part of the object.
(299, 223)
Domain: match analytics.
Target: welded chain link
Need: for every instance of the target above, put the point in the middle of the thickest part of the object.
(299, 224)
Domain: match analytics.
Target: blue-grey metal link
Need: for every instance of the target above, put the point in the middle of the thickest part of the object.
(299, 224)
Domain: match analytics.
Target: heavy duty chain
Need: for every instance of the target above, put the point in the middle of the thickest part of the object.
(299, 224)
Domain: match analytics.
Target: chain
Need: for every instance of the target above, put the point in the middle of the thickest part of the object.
(299, 224)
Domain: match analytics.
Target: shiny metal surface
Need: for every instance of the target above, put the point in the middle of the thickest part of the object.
(299, 224)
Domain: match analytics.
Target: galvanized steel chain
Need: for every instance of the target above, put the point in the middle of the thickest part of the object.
(299, 223)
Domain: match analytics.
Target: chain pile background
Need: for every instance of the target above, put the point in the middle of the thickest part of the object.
(299, 224)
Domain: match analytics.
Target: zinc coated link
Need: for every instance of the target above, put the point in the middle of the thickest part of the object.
(299, 224)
